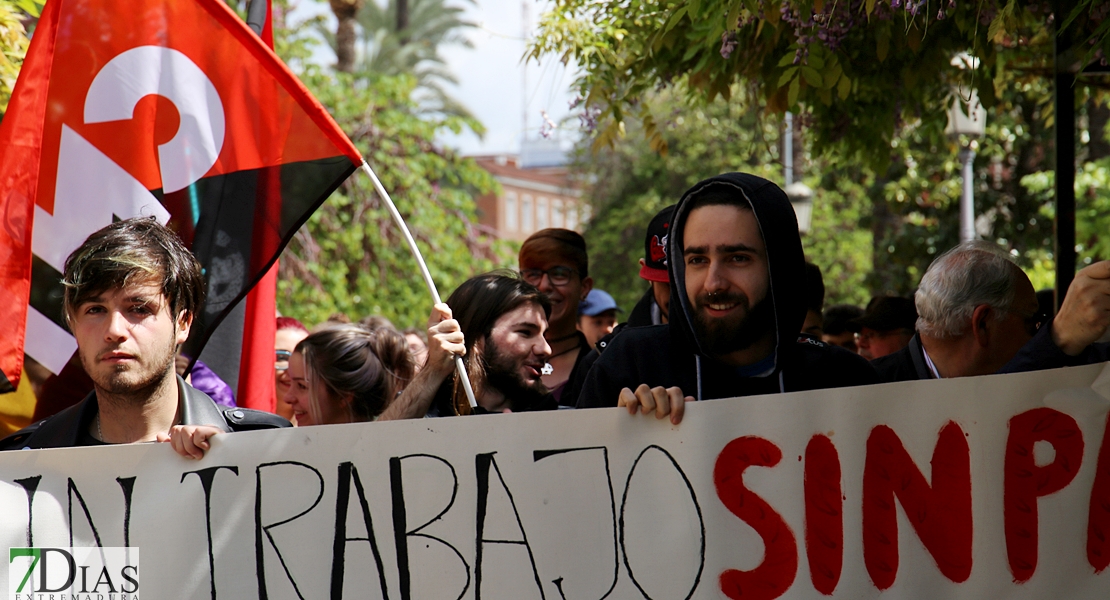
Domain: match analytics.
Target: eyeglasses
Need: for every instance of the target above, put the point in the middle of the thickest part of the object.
(556, 275)
(1034, 323)
(281, 360)
(878, 335)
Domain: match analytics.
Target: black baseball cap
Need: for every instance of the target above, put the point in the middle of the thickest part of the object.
(888, 313)
(839, 318)
(655, 246)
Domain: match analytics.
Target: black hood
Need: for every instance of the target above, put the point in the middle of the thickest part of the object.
(786, 262)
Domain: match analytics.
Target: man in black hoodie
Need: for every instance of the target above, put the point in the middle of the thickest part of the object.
(737, 304)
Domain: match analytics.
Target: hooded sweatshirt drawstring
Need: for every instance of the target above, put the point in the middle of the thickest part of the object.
(777, 226)
(659, 356)
(697, 368)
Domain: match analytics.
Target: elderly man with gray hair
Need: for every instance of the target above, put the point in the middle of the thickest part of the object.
(978, 314)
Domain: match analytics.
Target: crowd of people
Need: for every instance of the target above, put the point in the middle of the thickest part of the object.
(730, 308)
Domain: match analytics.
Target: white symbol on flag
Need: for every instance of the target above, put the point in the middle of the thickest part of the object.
(91, 188)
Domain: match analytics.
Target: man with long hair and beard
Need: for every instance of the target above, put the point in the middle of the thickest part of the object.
(738, 301)
(497, 322)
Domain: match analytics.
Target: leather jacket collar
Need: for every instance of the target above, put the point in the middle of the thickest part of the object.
(64, 429)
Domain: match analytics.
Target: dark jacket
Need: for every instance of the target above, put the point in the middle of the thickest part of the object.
(640, 317)
(443, 403)
(1038, 354)
(1042, 353)
(672, 355)
(907, 364)
(568, 395)
(641, 313)
(64, 429)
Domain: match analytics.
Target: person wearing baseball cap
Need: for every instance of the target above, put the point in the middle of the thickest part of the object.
(652, 309)
(839, 328)
(597, 316)
(886, 326)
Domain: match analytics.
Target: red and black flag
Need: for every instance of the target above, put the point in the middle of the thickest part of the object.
(171, 108)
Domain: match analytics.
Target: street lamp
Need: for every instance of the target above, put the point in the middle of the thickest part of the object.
(967, 120)
(801, 199)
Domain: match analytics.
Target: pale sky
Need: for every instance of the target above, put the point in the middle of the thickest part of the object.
(490, 76)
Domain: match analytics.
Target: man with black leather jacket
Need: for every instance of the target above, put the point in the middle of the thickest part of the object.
(132, 290)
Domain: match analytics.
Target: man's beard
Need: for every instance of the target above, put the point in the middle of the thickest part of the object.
(503, 374)
(138, 383)
(722, 336)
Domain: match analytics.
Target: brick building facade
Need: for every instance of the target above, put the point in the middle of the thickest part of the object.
(532, 198)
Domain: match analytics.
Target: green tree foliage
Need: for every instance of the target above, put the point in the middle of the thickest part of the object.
(1092, 184)
(416, 49)
(915, 214)
(407, 37)
(861, 68)
(838, 240)
(13, 43)
(870, 80)
(350, 258)
(632, 182)
(874, 231)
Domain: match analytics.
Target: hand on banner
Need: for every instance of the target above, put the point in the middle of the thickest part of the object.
(190, 441)
(445, 340)
(1084, 316)
(663, 401)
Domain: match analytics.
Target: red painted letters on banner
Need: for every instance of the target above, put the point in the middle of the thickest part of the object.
(940, 514)
(1025, 482)
(824, 514)
(780, 563)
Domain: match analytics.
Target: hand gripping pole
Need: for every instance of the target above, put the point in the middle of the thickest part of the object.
(459, 366)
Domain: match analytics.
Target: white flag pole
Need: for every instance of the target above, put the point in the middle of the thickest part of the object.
(459, 366)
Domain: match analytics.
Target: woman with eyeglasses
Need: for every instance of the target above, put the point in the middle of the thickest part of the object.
(555, 262)
(347, 374)
(290, 332)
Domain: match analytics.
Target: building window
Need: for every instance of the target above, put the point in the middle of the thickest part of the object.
(541, 213)
(572, 215)
(557, 213)
(526, 214)
(584, 214)
(512, 223)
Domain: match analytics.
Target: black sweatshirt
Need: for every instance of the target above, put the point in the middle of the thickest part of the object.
(671, 355)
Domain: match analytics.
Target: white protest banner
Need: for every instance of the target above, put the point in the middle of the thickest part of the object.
(991, 487)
